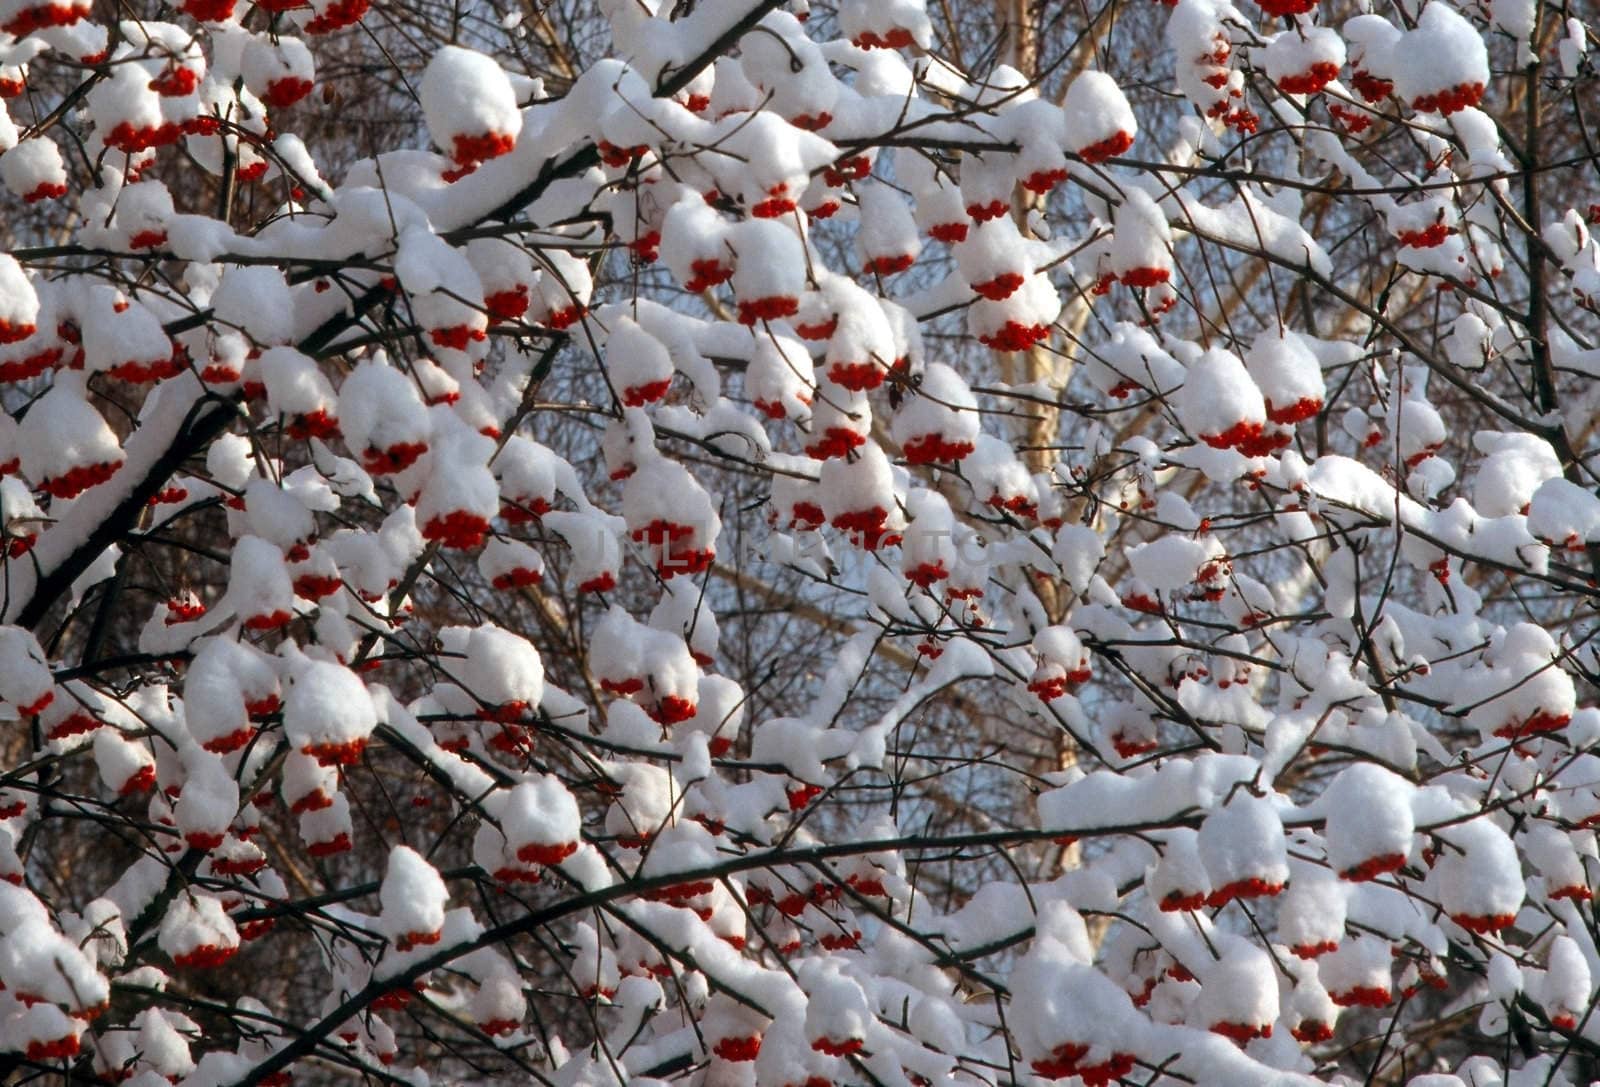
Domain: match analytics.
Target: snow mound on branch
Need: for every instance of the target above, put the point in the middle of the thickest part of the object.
(1106, 798)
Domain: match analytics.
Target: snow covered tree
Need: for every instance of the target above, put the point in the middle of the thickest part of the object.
(743, 542)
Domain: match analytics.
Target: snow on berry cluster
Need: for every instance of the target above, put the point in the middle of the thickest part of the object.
(464, 455)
